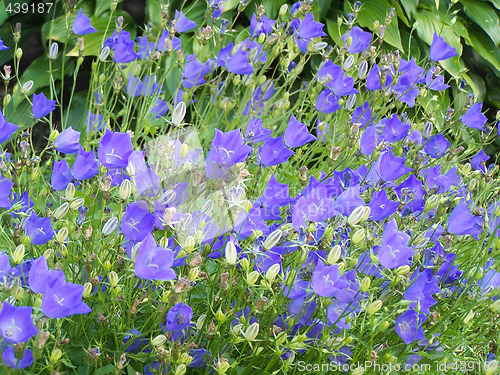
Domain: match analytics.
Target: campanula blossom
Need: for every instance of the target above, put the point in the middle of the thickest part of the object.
(40, 277)
(327, 101)
(371, 137)
(274, 152)
(6, 128)
(159, 109)
(263, 25)
(391, 167)
(16, 325)
(154, 262)
(394, 251)
(39, 229)
(474, 118)
(437, 146)
(477, 161)
(359, 40)
(123, 47)
(82, 25)
(395, 129)
(178, 320)
(148, 87)
(9, 358)
(168, 43)
(255, 131)
(5, 192)
(181, 23)
(61, 175)
(297, 134)
(42, 106)
(239, 63)
(2, 46)
(409, 326)
(462, 222)
(435, 81)
(227, 149)
(146, 48)
(381, 206)
(324, 279)
(275, 195)
(137, 222)
(307, 30)
(147, 183)
(114, 149)
(440, 50)
(374, 78)
(411, 193)
(63, 299)
(421, 291)
(85, 165)
(93, 122)
(194, 71)
(68, 141)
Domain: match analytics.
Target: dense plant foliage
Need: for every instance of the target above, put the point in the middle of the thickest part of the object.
(233, 201)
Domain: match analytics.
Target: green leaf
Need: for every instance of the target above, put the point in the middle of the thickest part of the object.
(399, 12)
(108, 369)
(39, 69)
(428, 24)
(485, 17)
(103, 6)
(496, 3)
(486, 49)
(272, 7)
(409, 6)
(375, 10)
(3, 13)
(333, 30)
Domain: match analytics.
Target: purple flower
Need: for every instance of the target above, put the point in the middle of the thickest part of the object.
(182, 23)
(324, 279)
(374, 77)
(93, 122)
(239, 63)
(360, 40)
(165, 43)
(42, 106)
(395, 129)
(297, 134)
(474, 118)
(114, 149)
(477, 161)
(255, 131)
(381, 206)
(313, 208)
(307, 30)
(411, 192)
(392, 167)
(68, 141)
(275, 196)
(462, 222)
(421, 291)
(2, 46)
(5, 190)
(435, 82)
(274, 152)
(227, 149)
(61, 175)
(6, 128)
(63, 299)
(394, 251)
(16, 325)
(39, 229)
(154, 262)
(327, 102)
(437, 146)
(147, 88)
(440, 50)
(147, 183)
(159, 109)
(9, 357)
(123, 47)
(409, 326)
(81, 25)
(40, 277)
(85, 165)
(194, 71)
(137, 221)
(349, 200)
(178, 320)
(371, 137)
(146, 48)
(263, 25)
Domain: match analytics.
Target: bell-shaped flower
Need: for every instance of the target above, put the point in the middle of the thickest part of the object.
(68, 141)
(182, 23)
(40, 277)
(39, 229)
(154, 262)
(474, 118)
(178, 320)
(61, 175)
(82, 25)
(440, 50)
(16, 325)
(394, 251)
(359, 40)
(10, 359)
(5, 192)
(462, 222)
(437, 146)
(274, 152)
(85, 165)
(42, 106)
(6, 128)
(63, 299)
(477, 161)
(114, 149)
(137, 221)
(409, 326)
(381, 206)
(297, 134)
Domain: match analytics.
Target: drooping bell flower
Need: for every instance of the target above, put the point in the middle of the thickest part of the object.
(64, 299)
(307, 30)
(159, 109)
(6, 128)
(93, 122)
(435, 81)
(421, 291)
(362, 115)
(39, 229)
(359, 40)
(477, 161)
(297, 134)
(373, 80)
(474, 117)
(411, 193)
(274, 152)
(178, 320)
(137, 221)
(263, 25)
(16, 325)
(85, 165)
(312, 208)
(239, 63)
(462, 222)
(349, 200)
(68, 141)
(61, 175)
(146, 48)
(227, 149)
(123, 47)
(246, 224)
(40, 277)
(10, 359)
(394, 251)
(82, 25)
(256, 132)
(42, 106)
(409, 326)
(5, 191)
(440, 50)
(166, 43)
(275, 195)
(327, 101)
(181, 23)
(154, 262)
(437, 146)
(194, 71)
(371, 137)
(114, 149)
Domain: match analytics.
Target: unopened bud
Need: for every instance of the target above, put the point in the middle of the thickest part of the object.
(87, 289)
(334, 255)
(272, 240)
(179, 113)
(103, 55)
(252, 332)
(231, 253)
(359, 236)
(272, 272)
(348, 62)
(27, 86)
(55, 356)
(61, 235)
(18, 254)
(220, 316)
(363, 69)
(159, 340)
(113, 278)
(365, 284)
(19, 53)
(193, 273)
(61, 211)
(69, 193)
(350, 102)
(54, 49)
(283, 10)
(181, 369)
(427, 132)
(356, 216)
(110, 226)
(189, 244)
(125, 189)
(200, 322)
(469, 317)
(78, 202)
(373, 307)
(403, 270)
(252, 278)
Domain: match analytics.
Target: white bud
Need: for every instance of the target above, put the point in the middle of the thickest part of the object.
(363, 69)
(319, 46)
(61, 235)
(134, 251)
(356, 216)
(78, 202)
(18, 255)
(348, 62)
(252, 332)
(54, 49)
(104, 53)
(334, 254)
(159, 340)
(69, 193)
(231, 253)
(61, 211)
(351, 100)
(110, 226)
(179, 113)
(252, 277)
(125, 189)
(27, 87)
(272, 240)
(272, 272)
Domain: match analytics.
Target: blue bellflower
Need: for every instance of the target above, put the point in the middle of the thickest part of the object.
(82, 25)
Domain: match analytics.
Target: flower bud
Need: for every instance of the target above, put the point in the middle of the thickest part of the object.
(78, 202)
(55, 356)
(403, 270)
(469, 316)
(103, 55)
(373, 307)
(107, 266)
(200, 322)
(495, 306)
(359, 236)
(220, 316)
(231, 253)
(252, 332)
(350, 102)
(252, 278)
(222, 367)
(358, 371)
(113, 278)
(134, 251)
(272, 272)
(110, 226)
(319, 46)
(181, 369)
(69, 193)
(125, 189)
(356, 216)
(19, 53)
(18, 255)
(53, 135)
(179, 113)
(283, 10)
(272, 240)
(365, 284)
(348, 62)
(427, 132)
(193, 273)
(87, 289)
(189, 244)
(61, 211)
(61, 235)
(159, 340)
(363, 69)
(26, 87)
(245, 264)
(334, 255)
(54, 49)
